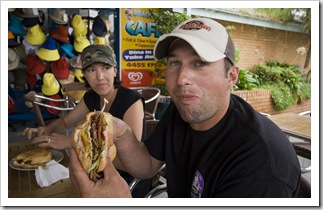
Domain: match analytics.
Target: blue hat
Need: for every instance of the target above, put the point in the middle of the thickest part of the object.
(99, 28)
(68, 48)
(48, 50)
(16, 27)
(49, 44)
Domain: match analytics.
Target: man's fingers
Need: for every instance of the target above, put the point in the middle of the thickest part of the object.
(109, 169)
(78, 176)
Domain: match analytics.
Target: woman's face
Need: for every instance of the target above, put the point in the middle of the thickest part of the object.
(100, 77)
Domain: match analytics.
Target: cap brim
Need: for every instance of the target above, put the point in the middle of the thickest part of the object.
(98, 61)
(205, 50)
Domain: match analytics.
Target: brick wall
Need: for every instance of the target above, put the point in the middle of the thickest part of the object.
(261, 100)
(258, 44)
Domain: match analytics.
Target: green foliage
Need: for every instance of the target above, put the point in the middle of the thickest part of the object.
(246, 80)
(166, 20)
(288, 15)
(281, 95)
(287, 83)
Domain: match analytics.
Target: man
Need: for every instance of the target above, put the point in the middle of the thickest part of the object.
(214, 143)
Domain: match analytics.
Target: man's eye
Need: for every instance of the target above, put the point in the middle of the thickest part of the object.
(174, 63)
(201, 63)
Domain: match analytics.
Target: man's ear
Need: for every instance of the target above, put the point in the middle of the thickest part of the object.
(233, 75)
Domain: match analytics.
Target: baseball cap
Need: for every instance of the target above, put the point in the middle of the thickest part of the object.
(208, 38)
(98, 54)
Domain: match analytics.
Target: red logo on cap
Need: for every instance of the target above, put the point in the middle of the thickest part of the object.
(195, 25)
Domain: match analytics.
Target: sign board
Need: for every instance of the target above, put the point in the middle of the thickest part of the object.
(137, 40)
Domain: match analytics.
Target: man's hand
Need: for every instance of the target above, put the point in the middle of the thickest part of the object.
(112, 185)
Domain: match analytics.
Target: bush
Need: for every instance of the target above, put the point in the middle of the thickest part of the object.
(287, 83)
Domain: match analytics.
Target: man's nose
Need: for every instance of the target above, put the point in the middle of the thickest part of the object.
(184, 75)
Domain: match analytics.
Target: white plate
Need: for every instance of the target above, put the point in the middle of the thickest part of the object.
(57, 156)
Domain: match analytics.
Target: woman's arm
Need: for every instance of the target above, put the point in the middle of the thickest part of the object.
(55, 131)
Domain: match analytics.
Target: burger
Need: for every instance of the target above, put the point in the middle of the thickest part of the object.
(93, 141)
(32, 159)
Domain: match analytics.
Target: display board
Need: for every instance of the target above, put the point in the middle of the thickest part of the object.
(137, 40)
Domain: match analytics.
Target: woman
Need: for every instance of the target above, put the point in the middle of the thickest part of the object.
(100, 73)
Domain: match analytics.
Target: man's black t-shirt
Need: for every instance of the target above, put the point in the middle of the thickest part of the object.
(244, 155)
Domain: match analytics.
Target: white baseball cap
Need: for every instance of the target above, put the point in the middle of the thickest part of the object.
(208, 38)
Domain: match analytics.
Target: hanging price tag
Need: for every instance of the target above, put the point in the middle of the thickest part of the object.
(35, 11)
(65, 18)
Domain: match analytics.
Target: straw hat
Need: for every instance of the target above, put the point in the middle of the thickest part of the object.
(70, 79)
(13, 59)
(35, 35)
(60, 68)
(60, 33)
(79, 26)
(48, 51)
(29, 13)
(50, 85)
(32, 92)
(79, 75)
(59, 16)
(76, 62)
(80, 42)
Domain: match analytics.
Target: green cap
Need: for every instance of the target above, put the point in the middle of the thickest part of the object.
(98, 54)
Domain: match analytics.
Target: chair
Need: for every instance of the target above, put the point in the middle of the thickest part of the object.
(151, 96)
(303, 148)
(305, 188)
(305, 113)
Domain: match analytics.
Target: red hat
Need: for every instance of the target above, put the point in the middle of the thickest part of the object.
(60, 33)
(54, 103)
(31, 80)
(60, 68)
(34, 64)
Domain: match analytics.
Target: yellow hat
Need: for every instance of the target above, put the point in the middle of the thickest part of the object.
(50, 85)
(99, 40)
(80, 42)
(79, 26)
(79, 75)
(35, 36)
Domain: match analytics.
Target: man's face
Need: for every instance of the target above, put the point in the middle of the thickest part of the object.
(199, 89)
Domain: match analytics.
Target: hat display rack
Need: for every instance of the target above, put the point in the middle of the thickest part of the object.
(39, 52)
(44, 48)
